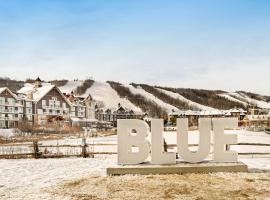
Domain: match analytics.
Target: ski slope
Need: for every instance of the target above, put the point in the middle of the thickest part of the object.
(227, 96)
(70, 86)
(103, 92)
(189, 102)
(151, 97)
(242, 96)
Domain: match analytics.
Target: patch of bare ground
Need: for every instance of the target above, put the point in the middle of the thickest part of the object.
(106, 133)
(152, 187)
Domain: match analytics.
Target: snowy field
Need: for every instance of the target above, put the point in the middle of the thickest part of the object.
(35, 179)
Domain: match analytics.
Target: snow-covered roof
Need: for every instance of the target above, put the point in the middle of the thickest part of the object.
(2, 89)
(236, 110)
(39, 92)
(125, 110)
(28, 87)
(5, 88)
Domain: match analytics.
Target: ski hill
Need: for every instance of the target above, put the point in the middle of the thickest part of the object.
(111, 94)
(153, 99)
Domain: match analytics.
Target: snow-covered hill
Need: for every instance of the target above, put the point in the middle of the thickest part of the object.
(151, 97)
(244, 98)
(103, 92)
(229, 97)
(70, 86)
(189, 102)
(105, 95)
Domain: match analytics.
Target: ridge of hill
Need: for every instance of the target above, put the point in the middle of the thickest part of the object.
(154, 100)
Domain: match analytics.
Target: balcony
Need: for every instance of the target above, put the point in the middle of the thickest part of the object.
(10, 104)
(9, 118)
(55, 108)
(11, 111)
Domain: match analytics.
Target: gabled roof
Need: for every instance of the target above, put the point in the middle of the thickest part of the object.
(39, 93)
(26, 89)
(2, 89)
(5, 88)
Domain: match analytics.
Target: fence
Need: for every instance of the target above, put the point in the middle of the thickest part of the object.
(38, 150)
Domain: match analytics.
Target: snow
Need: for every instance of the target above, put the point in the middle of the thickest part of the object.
(189, 102)
(26, 89)
(104, 93)
(38, 93)
(28, 178)
(41, 92)
(151, 97)
(2, 89)
(261, 104)
(227, 96)
(70, 86)
(257, 163)
(6, 133)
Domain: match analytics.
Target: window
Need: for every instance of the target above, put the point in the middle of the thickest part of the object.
(2, 100)
(11, 101)
(43, 103)
(28, 104)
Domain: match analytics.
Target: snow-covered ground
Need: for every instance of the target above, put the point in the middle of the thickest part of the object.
(6, 133)
(189, 102)
(30, 179)
(70, 86)
(104, 93)
(151, 97)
